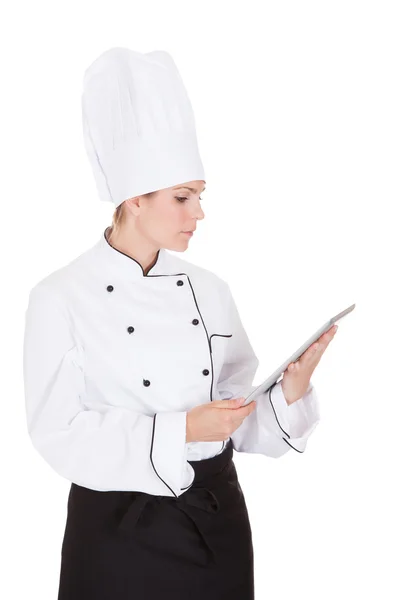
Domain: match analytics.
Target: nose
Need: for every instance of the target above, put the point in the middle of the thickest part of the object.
(198, 212)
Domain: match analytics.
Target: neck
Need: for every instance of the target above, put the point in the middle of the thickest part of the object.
(141, 251)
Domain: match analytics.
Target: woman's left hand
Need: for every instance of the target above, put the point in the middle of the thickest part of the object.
(297, 376)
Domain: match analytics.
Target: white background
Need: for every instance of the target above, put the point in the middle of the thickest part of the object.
(297, 116)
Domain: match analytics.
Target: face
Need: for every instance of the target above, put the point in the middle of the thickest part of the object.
(165, 216)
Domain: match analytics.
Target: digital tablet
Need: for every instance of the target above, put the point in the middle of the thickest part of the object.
(264, 387)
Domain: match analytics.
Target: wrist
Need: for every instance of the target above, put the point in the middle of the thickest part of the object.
(188, 430)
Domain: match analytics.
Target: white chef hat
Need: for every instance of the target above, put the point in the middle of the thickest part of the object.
(138, 124)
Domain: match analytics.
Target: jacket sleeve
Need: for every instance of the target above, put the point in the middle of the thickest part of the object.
(274, 427)
(113, 448)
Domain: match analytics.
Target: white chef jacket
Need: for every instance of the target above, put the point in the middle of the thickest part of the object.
(114, 359)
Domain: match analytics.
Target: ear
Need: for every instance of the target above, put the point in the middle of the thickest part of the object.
(133, 204)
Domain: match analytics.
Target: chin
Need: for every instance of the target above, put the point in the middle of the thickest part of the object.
(180, 246)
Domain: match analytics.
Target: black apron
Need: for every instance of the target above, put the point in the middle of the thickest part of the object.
(136, 546)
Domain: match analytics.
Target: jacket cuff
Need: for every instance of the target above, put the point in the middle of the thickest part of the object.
(169, 450)
(298, 420)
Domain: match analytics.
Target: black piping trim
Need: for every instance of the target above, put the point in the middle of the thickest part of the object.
(221, 335)
(151, 456)
(209, 345)
(300, 451)
(284, 439)
(212, 379)
(205, 329)
(134, 260)
(270, 400)
(202, 320)
(186, 488)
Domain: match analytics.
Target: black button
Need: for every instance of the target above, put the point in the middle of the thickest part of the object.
(131, 329)
(195, 321)
(179, 282)
(205, 371)
(110, 288)
(146, 382)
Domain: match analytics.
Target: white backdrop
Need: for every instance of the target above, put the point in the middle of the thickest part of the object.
(297, 115)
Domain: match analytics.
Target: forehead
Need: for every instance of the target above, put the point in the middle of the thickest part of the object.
(190, 186)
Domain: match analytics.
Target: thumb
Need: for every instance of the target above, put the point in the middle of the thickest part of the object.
(231, 403)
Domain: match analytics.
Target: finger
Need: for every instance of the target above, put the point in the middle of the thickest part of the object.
(313, 352)
(330, 334)
(293, 367)
(243, 411)
(230, 403)
(316, 352)
(322, 343)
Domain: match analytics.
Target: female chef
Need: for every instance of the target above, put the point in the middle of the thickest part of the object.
(135, 361)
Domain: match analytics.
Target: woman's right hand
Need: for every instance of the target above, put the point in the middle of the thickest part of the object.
(216, 421)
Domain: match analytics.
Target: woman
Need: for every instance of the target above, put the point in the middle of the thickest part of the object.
(135, 361)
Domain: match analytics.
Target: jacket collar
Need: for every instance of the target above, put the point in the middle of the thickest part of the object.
(129, 266)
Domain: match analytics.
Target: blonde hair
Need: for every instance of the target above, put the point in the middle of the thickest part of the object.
(119, 215)
(117, 218)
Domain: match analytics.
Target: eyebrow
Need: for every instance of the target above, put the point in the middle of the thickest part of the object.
(184, 187)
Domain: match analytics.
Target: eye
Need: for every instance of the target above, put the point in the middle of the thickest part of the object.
(179, 198)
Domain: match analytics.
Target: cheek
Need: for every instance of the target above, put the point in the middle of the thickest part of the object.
(168, 216)
(175, 215)
(167, 220)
